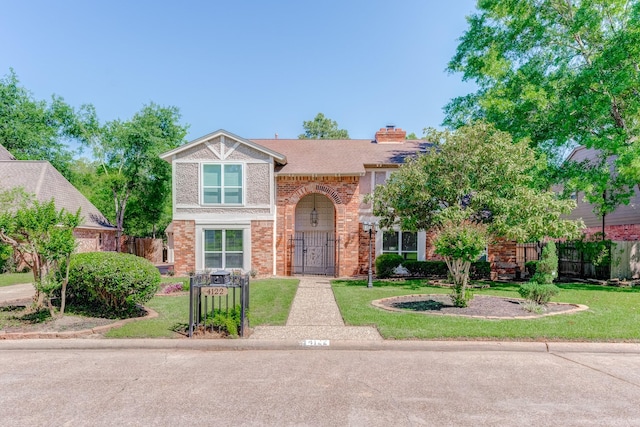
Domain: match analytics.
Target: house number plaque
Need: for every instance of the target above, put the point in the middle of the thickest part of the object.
(213, 291)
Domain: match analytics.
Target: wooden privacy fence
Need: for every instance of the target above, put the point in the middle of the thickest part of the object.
(148, 248)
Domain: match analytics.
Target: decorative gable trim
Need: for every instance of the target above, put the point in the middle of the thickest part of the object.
(169, 156)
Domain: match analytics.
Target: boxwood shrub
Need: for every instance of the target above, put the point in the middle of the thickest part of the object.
(479, 269)
(386, 264)
(115, 281)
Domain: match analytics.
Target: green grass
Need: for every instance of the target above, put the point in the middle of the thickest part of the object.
(613, 315)
(7, 279)
(269, 304)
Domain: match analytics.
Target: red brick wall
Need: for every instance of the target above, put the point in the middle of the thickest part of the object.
(363, 251)
(89, 240)
(344, 192)
(627, 232)
(502, 256)
(262, 247)
(184, 233)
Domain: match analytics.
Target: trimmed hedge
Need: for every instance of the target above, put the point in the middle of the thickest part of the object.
(115, 281)
(479, 269)
(386, 264)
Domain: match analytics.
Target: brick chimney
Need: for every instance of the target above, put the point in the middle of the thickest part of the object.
(390, 135)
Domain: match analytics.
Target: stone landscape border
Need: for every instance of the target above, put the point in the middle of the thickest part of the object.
(384, 304)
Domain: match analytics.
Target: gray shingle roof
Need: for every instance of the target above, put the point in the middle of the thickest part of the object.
(5, 154)
(341, 157)
(43, 180)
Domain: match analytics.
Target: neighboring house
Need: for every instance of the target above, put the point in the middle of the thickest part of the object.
(621, 225)
(94, 233)
(284, 206)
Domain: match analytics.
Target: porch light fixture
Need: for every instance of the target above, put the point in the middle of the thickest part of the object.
(372, 228)
(314, 213)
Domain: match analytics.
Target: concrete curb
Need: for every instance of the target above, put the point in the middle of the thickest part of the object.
(325, 345)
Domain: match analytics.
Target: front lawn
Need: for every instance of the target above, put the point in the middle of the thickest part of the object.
(269, 304)
(613, 315)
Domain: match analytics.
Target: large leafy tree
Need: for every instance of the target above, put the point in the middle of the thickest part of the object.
(43, 238)
(473, 185)
(560, 73)
(322, 127)
(35, 129)
(130, 172)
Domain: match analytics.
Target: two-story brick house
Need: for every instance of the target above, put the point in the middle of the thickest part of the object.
(284, 206)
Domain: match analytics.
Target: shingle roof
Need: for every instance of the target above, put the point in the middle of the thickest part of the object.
(5, 154)
(339, 157)
(43, 180)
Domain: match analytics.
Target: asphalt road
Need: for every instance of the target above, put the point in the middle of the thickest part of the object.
(308, 386)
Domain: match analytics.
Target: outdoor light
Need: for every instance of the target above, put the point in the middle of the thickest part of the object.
(314, 213)
(371, 227)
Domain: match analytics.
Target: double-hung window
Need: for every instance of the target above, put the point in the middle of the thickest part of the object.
(403, 243)
(222, 184)
(223, 249)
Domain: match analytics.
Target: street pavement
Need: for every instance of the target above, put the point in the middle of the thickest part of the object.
(315, 372)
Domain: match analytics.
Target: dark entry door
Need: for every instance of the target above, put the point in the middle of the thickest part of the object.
(314, 252)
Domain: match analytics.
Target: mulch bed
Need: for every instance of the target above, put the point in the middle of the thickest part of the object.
(484, 306)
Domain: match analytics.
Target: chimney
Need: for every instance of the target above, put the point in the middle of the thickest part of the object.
(390, 135)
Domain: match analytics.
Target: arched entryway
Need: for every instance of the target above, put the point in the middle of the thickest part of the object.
(314, 241)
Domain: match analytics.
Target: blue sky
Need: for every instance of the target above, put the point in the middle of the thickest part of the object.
(254, 68)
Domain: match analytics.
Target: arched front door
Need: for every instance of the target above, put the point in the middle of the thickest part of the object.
(314, 242)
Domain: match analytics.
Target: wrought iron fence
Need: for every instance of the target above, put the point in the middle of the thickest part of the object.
(575, 262)
(526, 252)
(219, 300)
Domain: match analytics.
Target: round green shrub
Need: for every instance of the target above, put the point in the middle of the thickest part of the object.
(386, 264)
(116, 281)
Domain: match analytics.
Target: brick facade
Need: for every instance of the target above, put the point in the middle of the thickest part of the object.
(184, 233)
(90, 240)
(344, 192)
(626, 232)
(502, 256)
(262, 247)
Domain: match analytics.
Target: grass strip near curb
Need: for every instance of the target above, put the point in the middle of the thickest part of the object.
(613, 315)
(270, 301)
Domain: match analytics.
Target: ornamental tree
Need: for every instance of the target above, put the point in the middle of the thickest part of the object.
(322, 127)
(43, 238)
(559, 74)
(473, 185)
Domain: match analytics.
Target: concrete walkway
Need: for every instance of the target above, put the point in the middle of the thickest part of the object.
(315, 316)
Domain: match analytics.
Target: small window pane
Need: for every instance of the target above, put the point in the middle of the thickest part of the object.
(212, 195)
(234, 241)
(409, 241)
(233, 261)
(211, 175)
(233, 195)
(410, 256)
(390, 241)
(233, 175)
(381, 178)
(213, 240)
(213, 260)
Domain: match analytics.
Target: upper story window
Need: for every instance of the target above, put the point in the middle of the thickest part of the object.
(222, 184)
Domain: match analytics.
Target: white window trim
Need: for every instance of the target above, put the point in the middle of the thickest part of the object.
(422, 243)
(222, 164)
(246, 242)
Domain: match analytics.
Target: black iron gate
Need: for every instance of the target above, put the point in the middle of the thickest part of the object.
(314, 252)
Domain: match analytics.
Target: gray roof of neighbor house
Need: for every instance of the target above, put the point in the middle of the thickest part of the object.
(5, 154)
(339, 157)
(43, 180)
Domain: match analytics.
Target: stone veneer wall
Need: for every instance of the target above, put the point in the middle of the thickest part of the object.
(184, 233)
(262, 247)
(627, 232)
(344, 192)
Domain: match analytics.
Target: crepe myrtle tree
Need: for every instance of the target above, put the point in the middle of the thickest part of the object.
(43, 238)
(471, 186)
